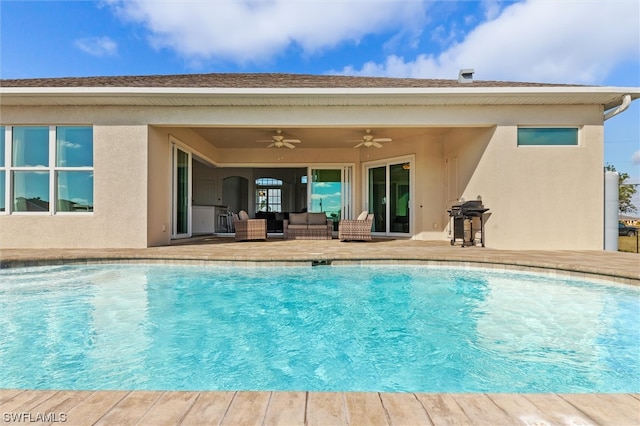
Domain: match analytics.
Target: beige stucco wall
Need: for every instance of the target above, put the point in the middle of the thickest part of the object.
(540, 197)
(120, 195)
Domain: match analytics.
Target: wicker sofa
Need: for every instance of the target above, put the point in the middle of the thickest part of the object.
(307, 226)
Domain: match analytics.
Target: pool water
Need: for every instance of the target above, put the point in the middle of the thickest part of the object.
(327, 328)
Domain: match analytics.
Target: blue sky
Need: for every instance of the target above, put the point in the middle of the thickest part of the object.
(594, 42)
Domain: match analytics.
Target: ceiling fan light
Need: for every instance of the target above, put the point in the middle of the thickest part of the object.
(278, 141)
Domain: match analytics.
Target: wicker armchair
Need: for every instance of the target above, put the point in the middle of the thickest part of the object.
(356, 229)
(249, 229)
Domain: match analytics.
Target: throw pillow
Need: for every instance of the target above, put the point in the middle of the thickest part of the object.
(363, 215)
(297, 218)
(317, 219)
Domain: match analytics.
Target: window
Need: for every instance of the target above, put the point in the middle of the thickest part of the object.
(268, 195)
(74, 165)
(547, 136)
(30, 162)
(47, 164)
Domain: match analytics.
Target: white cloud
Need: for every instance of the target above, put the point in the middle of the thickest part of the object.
(635, 157)
(70, 145)
(563, 41)
(492, 9)
(554, 41)
(255, 30)
(97, 46)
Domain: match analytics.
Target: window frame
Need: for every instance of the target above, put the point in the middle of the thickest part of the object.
(52, 169)
(3, 169)
(268, 184)
(53, 157)
(578, 133)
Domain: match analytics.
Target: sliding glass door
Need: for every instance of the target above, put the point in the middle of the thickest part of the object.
(388, 196)
(330, 192)
(181, 193)
(378, 197)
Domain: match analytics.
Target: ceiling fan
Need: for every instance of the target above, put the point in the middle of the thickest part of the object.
(368, 140)
(279, 141)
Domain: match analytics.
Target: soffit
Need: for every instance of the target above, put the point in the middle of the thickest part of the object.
(314, 137)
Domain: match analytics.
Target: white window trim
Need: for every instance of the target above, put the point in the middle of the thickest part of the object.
(578, 136)
(346, 179)
(5, 169)
(52, 169)
(267, 187)
(175, 143)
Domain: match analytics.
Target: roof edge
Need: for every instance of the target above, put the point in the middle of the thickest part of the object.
(634, 92)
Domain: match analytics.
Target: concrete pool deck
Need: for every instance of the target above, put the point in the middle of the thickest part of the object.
(314, 408)
(614, 266)
(123, 407)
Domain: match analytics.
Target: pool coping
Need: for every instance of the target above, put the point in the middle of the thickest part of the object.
(569, 270)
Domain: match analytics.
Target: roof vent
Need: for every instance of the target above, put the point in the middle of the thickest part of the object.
(466, 75)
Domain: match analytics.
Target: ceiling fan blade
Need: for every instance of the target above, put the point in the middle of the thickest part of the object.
(359, 145)
(288, 145)
(376, 144)
(265, 140)
(291, 140)
(382, 139)
(271, 145)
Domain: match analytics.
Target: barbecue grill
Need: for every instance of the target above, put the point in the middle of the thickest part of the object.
(462, 216)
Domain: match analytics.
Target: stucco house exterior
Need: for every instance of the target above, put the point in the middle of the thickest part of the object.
(114, 162)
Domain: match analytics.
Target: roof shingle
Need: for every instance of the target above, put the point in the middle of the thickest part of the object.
(259, 80)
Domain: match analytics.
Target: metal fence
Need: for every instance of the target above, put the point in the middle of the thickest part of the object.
(629, 244)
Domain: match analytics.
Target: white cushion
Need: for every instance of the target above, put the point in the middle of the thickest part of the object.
(363, 215)
(243, 215)
(294, 226)
(317, 226)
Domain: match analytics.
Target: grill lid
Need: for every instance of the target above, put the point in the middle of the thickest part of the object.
(472, 208)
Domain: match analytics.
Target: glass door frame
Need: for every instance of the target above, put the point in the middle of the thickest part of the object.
(175, 147)
(346, 193)
(387, 163)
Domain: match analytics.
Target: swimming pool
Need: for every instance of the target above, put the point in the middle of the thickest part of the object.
(329, 328)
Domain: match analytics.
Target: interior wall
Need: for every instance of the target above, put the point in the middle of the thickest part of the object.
(234, 193)
(207, 190)
(240, 194)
